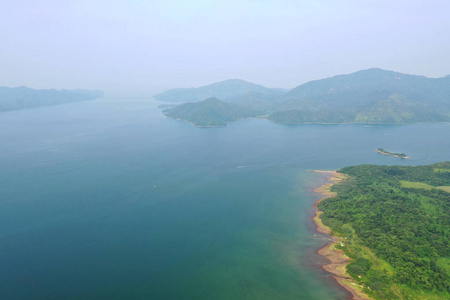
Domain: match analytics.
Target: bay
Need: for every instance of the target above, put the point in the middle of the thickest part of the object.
(108, 199)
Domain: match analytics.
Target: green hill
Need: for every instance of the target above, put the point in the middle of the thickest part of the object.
(23, 97)
(369, 96)
(395, 225)
(263, 103)
(209, 113)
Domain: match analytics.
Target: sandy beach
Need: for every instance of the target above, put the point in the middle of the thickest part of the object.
(338, 260)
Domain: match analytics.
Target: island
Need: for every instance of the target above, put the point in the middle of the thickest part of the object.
(372, 96)
(390, 228)
(24, 97)
(399, 155)
(209, 113)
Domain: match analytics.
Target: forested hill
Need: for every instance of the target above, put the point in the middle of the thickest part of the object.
(395, 221)
(368, 96)
(23, 97)
(210, 113)
(373, 96)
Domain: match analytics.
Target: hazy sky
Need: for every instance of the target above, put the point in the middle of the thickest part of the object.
(149, 46)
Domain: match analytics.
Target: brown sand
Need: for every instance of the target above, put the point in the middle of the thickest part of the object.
(338, 260)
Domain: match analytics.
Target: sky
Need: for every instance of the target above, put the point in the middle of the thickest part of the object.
(144, 47)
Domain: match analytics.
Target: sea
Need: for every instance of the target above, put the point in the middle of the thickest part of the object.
(108, 199)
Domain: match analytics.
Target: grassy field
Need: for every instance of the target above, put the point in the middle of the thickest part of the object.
(416, 185)
(437, 170)
(444, 188)
(421, 185)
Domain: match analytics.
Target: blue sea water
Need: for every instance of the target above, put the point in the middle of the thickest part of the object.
(108, 199)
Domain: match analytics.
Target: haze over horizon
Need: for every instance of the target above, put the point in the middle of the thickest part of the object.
(150, 46)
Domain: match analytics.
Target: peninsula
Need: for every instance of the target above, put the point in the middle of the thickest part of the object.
(390, 230)
(24, 97)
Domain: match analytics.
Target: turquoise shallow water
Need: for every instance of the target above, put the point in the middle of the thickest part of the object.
(109, 200)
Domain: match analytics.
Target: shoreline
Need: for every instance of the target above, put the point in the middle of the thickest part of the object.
(338, 260)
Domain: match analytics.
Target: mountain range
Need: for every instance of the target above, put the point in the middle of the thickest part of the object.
(373, 96)
(24, 97)
(224, 90)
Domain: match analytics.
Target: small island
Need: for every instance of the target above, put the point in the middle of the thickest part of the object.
(399, 155)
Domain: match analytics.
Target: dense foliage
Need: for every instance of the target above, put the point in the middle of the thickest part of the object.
(398, 236)
(23, 97)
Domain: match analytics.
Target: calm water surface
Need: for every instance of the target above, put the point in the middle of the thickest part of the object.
(109, 200)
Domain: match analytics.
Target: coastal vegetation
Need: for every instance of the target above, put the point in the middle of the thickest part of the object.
(394, 224)
(372, 96)
(23, 97)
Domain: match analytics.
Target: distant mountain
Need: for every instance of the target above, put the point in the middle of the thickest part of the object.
(209, 113)
(370, 96)
(228, 89)
(23, 97)
(263, 103)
